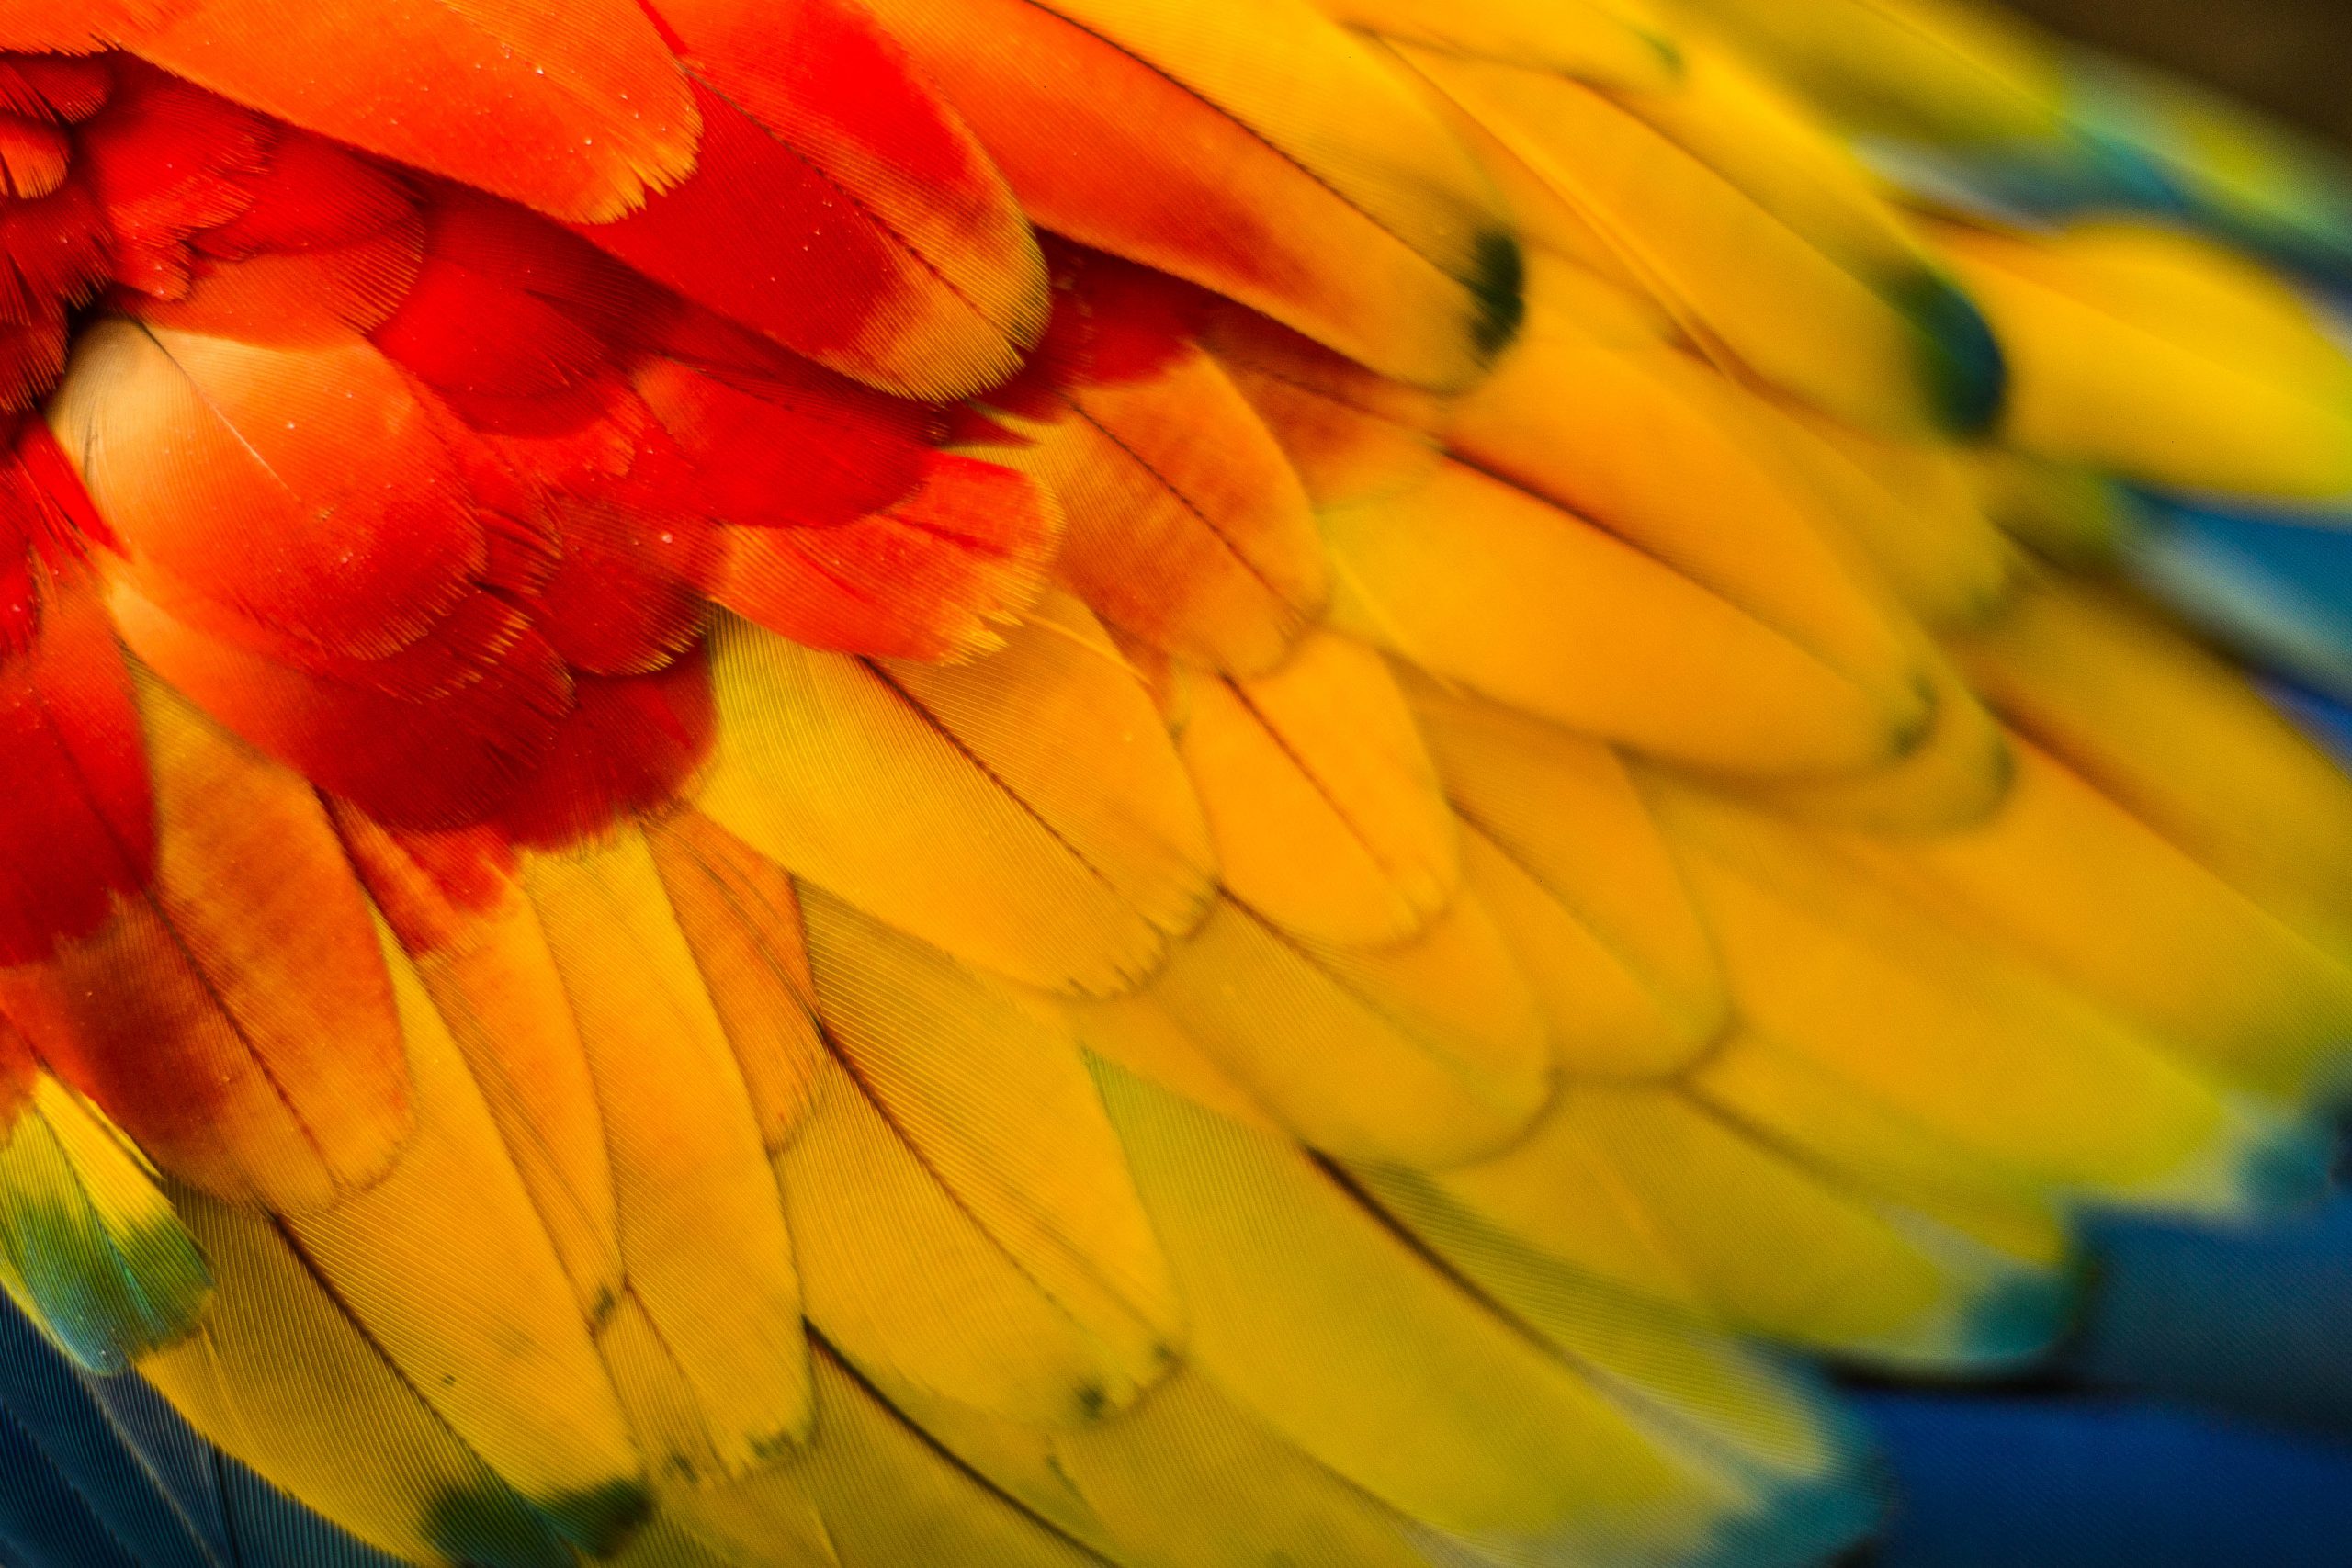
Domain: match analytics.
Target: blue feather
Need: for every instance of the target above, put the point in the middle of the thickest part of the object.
(2256, 1322)
(2274, 586)
(1993, 1483)
(101, 1474)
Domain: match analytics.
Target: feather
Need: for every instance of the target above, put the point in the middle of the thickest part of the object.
(688, 1164)
(1534, 606)
(915, 271)
(236, 1019)
(924, 1301)
(1559, 811)
(1670, 187)
(283, 1378)
(1996, 1058)
(444, 1270)
(2066, 876)
(2128, 337)
(1647, 443)
(1907, 509)
(2174, 736)
(1304, 1307)
(89, 1246)
(885, 1495)
(1592, 42)
(935, 576)
(580, 113)
(847, 778)
(1287, 183)
(1186, 527)
(1323, 806)
(1650, 1189)
(1353, 1067)
(997, 1104)
(79, 826)
(482, 956)
(740, 913)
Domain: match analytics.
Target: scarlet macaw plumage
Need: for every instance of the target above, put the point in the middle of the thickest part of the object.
(1042, 782)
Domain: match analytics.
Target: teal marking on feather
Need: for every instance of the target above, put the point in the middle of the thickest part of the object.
(1498, 285)
(1812, 1512)
(2265, 188)
(2290, 1170)
(108, 1298)
(1966, 374)
(89, 1246)
(492, 1526)
(1809, 1523)
(2017, 1319)
(599, 1520)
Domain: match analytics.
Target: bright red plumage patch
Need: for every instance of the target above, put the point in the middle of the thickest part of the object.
(17, 1071)
(62, 88)
(165, 161)
(1113, 322)
(427, 496)
(449, 756)
(930, 578)
(754, 196)
(629, 746)
(426, 883)
(76, 823)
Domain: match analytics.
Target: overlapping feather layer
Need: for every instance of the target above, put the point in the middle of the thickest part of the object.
(1054, 782)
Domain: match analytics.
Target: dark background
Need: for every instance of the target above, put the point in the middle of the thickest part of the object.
(2293, 57)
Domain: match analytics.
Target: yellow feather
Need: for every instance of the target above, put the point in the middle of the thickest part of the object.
(1348, 1344)
(491, 977)
(741, 916)
(284, 1380)
(1659, 449)
(702, 1226)
(1995, 1058)
(1645, 1188)
(1957, 778)
(1564, 812)
(1612, 44)
(2169, 358)
(993, 1099)
(872, 1492)
(1909, 511)
(2178, 737)
(1877, 1147)
(836, 773)
(1605, 1019)
(1754, 230)
(1480, 583)
(905, 1282)
(1931, 69)
(1322, 805)
(2070, 879)
(1354, 1071)
(1059, 722)
(1185, 1478)
(444, 1265)
(1186, 524)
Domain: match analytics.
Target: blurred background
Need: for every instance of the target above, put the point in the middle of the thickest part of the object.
(2293, 57)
